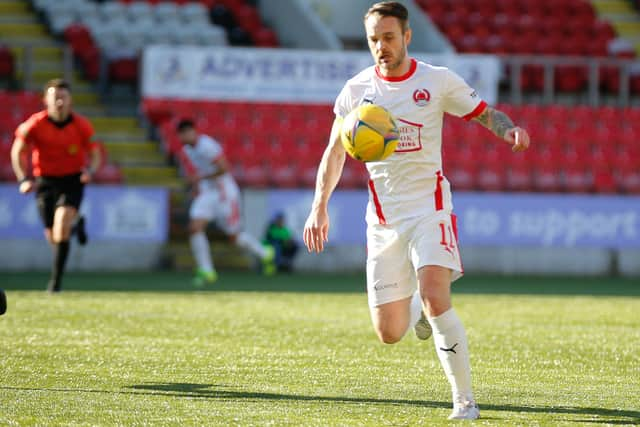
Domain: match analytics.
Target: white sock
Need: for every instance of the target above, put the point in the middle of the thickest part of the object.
(250, 243)
(201, 251)
(451, 346)
(415, 310)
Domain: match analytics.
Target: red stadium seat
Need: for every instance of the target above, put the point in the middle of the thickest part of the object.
(571, 145)
(124, 70)
(628, 178)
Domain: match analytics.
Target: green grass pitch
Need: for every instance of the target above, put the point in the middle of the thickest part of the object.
(145, 349)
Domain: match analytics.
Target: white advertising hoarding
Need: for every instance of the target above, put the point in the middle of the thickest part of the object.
(281, 75)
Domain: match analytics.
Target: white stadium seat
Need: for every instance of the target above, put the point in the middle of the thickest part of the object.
(112, 10)
(138, 10)
(87, 10)
(165, 11)
(191, 12)
(212, 35)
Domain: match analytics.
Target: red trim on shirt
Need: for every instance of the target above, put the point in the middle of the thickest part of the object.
(476, 111)
(376, 202)
(438, 193)
(405, 76)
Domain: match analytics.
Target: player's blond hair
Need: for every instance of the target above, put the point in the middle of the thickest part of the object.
(390, 8)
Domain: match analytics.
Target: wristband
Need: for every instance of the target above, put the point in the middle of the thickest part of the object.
(23, 180)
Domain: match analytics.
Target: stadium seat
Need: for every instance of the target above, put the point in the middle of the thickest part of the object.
(7, 64)
(571, 143)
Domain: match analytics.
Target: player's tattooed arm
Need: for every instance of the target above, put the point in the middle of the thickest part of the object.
(501, 125)
(496, 121)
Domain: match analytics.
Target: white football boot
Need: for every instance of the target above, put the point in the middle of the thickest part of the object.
(465, 410)
(422, 328)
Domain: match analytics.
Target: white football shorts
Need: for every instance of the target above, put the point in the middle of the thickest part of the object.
(395, 253)
(211, 206)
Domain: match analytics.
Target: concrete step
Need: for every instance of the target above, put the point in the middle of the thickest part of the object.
(612, 6)
(627, 29)
(117, 137)
(52, 52)
(17, 18)
(169, 183)
(149, 174)
(619, 17)
(14, 7)
(55, 65)
(40, 77)
(91, 110)
(225, 255)
(34, 30)
(135, 154)
(120, 124)
(85, 99)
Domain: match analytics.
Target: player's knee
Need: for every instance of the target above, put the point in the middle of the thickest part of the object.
(436, 303)
(389, 335)
(195, 227)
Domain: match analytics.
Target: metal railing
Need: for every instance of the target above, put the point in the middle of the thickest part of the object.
(27, 61)
(594, 92)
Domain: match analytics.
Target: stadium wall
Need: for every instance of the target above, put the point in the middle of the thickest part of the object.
(127, 228)
(499, 233)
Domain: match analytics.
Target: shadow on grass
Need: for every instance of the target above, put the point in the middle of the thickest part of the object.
(221, 392)
(244, 281)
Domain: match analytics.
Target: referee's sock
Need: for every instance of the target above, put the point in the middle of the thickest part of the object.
(60, 253)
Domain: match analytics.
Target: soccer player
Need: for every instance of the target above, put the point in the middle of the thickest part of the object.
(411, 231)
(217, 199)
(60, 143)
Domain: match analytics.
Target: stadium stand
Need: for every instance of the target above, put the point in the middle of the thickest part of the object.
(119, 30)
(531, 27)
(280, 145)
(39, 57)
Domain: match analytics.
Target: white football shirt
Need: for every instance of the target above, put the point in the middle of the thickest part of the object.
(410, 182)
(203, 156)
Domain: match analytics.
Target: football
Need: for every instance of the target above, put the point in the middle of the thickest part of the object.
(369, 133)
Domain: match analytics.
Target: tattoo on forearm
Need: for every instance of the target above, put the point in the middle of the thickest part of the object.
(496, 121)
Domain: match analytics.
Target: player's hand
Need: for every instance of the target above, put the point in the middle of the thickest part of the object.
(194, 180)
(518, 138)
(86, 177)
(316, 229)
(26, 186)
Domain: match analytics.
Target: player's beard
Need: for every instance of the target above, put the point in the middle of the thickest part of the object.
(395, 64)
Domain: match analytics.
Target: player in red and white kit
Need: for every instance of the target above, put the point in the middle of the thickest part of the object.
(412, 248)
(218, 200)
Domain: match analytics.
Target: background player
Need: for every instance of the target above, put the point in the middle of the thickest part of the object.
(60, 143)
(411, 233)
(217, 199)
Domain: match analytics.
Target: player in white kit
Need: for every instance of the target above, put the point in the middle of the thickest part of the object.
(218, 200)
(412, 248)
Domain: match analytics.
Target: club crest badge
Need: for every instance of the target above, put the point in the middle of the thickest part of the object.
(421, 97)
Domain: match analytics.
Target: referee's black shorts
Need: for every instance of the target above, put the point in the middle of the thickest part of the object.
(54, 191)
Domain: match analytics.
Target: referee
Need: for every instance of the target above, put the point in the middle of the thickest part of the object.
(60, 144)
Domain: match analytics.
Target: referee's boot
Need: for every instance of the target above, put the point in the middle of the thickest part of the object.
(54, 286)
(80, 231)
